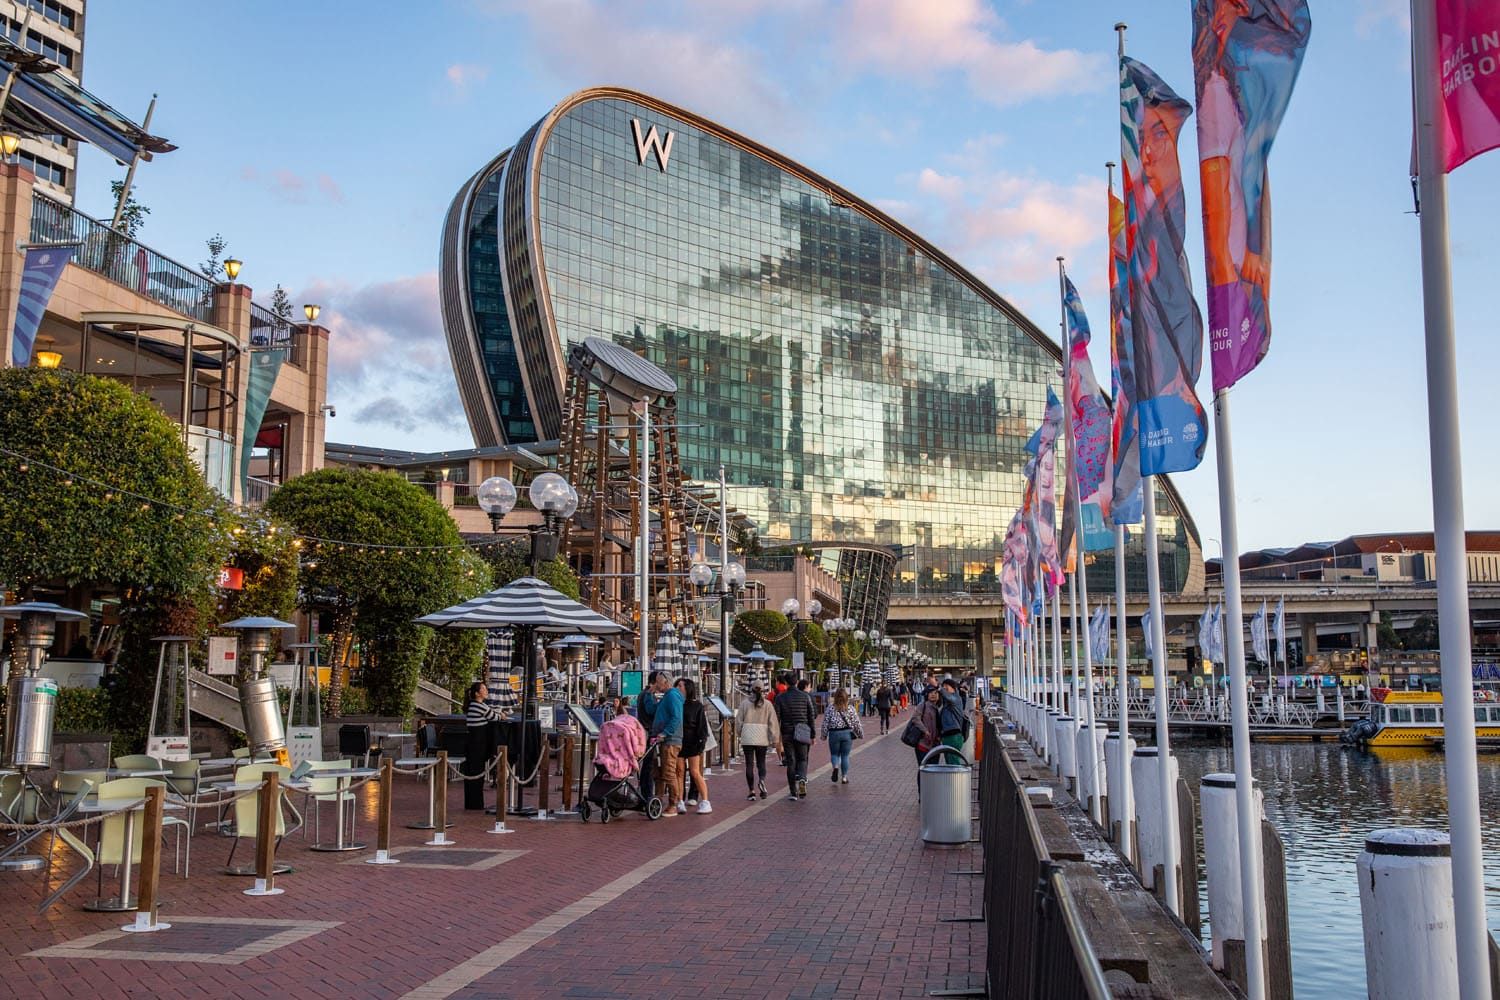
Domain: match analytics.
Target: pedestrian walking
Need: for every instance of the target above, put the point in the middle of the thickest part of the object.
(667, 727)
(796, 718)
(883, 706)
(841, 728)
(953, 716)
(478, 714)
(694, 740)
(759, 732)
(645, 714)
(927, 719)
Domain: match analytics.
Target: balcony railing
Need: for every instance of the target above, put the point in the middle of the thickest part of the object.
(123, 261)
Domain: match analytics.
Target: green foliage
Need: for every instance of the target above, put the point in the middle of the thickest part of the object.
(133, 217)
(745, 541)
(82, 710)
(377, 592)
(455, 658)
(267, 553)
(214, 266)
(57, 529)
(512, 560)
(1423, 634)
(814, 644)
(1386, 636)
(751, 627)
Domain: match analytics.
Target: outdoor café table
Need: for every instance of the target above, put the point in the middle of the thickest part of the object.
(380, 739)
(343, 777)
(110, 773)
(430, 765)
(121, 902)
(238, 788)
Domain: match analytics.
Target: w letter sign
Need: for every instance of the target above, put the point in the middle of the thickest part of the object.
(651, 142)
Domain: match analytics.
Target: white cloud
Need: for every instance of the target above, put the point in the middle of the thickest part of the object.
(462, 77)
(1376, 14)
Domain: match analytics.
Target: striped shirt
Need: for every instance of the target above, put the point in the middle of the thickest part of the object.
(478, 713)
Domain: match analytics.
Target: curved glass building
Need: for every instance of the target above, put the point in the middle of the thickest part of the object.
(858, 384)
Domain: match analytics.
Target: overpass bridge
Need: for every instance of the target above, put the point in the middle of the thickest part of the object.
(1311, 607)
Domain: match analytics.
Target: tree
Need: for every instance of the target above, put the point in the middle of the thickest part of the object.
(745, 541)
(214, 266)
(1386, 635)
(389, 553)
(509, 561)
(281, 308)
(133, 216)
(769, 628)
(1423, 633)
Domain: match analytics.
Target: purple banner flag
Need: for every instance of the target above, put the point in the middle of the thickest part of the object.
(1124, 504)
(1246, 54)
(44, 265)
(1088, 413)
(1165, 325)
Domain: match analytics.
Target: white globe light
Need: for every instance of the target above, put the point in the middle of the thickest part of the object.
(701, 575)
(859, 634)
(549, 492)
(570, 504)
(497, 496)
(734, 573)
(790, 607)
(886, 643)
(814, 608)
(874, 635)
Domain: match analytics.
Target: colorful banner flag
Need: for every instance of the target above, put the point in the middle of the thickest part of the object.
(1126, 504)
(44, 265)
(1013, 568)
(1260, 646)
(1165, 326)
(1088, 413)
(264, 367)
(1280, 627)
(1218, 635)
(1044, 507)
(1246, 54)
(1468, 35)
(1099, 633)
(1146, 631)
(1206, 634)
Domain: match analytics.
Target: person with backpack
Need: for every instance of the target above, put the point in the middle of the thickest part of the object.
(841, 728)
(759, 732)
(796, 718)
(953, 716)
(922, 730)
(883, 706)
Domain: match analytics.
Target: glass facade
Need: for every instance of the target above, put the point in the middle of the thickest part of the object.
(487, 303)
(855, 384)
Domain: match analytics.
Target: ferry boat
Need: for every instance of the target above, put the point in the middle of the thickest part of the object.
(1415, 719)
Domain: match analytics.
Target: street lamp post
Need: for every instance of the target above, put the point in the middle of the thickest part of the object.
(731, 580)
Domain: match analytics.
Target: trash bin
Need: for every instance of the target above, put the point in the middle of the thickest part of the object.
(945, 798)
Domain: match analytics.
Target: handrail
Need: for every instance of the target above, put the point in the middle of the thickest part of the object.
(1088, 962)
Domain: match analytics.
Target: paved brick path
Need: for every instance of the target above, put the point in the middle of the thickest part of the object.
(831, 897)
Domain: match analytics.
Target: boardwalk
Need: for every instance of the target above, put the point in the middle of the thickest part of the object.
(831, 897)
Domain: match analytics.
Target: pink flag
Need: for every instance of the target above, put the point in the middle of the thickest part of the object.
(1469, 60)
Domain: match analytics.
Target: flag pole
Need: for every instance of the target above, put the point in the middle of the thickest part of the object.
(1158, 641)
(1080, 569)
(1252, 886)
(1460, 753)
(1122, 658)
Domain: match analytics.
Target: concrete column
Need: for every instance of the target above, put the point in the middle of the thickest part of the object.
(1309, 628)
(15, 227)
(1372, 633)
(307, 431)
(984, 648)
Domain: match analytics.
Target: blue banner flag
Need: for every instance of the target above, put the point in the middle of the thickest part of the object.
(264, 367)
(44, 265)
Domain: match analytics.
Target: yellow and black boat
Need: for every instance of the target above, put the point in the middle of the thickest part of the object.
(1415, 719)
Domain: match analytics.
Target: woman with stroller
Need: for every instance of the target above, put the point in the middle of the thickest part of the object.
(841, 728)
(758, 731)
(694, 740)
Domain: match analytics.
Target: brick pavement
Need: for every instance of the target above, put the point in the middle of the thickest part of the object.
(567, 909)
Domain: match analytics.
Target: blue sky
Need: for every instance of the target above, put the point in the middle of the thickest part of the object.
(325, 140)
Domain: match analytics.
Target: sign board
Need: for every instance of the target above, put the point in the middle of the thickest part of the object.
(223, 655)
(584, 721)
(304, 743)
(544, 716)
(168, 747)
(231, 578)
(630, 683)
(720, 707)
(798, 660)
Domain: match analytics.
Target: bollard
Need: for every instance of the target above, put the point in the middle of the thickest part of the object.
(726, 731)
(440, 802)
(543, 776)
(145, 910)
(1150, 839)
(1339, 696)
(1406, 907)
(1064, 741)
(567, 774)
(1221, 856)
(265, 837)
(1115, 774)
(1090, 770)
(502, 791)
(383, 818)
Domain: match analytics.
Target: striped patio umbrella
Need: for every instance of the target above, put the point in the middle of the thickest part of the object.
(870, 673)
(524, 603)
(757, 671)
(664, 655)
(833, 676)
(687, 651)
(499, 647)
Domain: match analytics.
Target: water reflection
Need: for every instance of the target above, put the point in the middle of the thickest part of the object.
(1324, 799)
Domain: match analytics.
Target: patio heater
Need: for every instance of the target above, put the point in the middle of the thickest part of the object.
(263, 724)
(170, 734)
(31, 699)
(304, 714)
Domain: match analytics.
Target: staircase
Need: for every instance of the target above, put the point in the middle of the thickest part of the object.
(215, 699)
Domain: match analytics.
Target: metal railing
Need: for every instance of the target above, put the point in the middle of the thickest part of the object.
(258, 491)
(122, 260)
(267, 329)
(1035, 942)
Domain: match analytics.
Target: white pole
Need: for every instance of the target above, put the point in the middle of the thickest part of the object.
(1247, 812)
(643, 599)
(1126, 810)
(1405, 888)
(1073, 636)
(1170, 851)
(1057, 654)
(1460, 752)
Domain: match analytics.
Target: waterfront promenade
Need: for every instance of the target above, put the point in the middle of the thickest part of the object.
(834, 896)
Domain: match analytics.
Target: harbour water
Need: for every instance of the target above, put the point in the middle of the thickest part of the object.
(1324, 799)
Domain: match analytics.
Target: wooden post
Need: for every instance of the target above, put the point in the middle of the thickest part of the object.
(567, 774)
(1187, 839)
(1278, 933)
(543, 780)
(726, 732)
(502, 791)
(383, 817)
(265, 836)
(145, 911)
(440, 802)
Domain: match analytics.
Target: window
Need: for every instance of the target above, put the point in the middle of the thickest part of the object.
(44, 169)
(1399, 715)
(1427, 715)
(53, 11)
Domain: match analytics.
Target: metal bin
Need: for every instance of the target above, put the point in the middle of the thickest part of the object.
(945, 798)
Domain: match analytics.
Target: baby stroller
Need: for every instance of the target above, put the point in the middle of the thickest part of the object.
(612, 796)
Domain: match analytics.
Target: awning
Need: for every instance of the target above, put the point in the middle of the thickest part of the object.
(63, 106)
